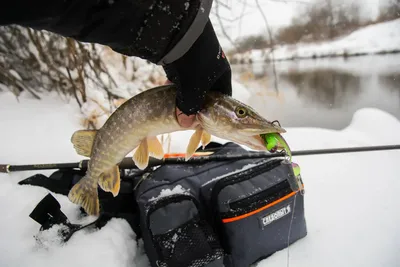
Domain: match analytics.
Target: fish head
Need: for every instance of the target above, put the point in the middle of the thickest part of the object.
(230, 119)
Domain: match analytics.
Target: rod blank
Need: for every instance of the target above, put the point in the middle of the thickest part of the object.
(127, 163)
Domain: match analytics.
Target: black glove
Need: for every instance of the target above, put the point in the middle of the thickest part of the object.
(203, 68)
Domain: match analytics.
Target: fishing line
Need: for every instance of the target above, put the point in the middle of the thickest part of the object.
(290, 231)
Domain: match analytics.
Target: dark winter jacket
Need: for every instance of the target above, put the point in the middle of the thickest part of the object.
(174, 33)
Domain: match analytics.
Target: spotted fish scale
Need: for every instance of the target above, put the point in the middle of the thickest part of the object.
(150, 112)
(136, 124)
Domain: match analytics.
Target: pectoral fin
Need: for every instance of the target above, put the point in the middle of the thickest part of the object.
(205, 139)
(110, 181)
(141, 156)
(193, 143)
(155, 148)
(83, 141)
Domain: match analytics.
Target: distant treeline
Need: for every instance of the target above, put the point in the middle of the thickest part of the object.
(320, 21)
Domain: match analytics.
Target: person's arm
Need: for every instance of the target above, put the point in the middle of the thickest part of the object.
(176, 34)
(146, 29)
(204, 67)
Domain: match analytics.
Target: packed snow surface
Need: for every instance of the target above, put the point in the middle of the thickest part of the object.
(351, 200)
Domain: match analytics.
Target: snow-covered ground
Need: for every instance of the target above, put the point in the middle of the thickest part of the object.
(378, 38)
(358, 66)
(351, 201)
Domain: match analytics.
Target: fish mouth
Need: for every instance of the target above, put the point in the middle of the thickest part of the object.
(250, 137)
(257, 137)
(254, 142)
(259, 142)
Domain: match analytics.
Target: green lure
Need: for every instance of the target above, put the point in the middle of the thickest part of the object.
(296, 172)
(296, 169)
(275, 142)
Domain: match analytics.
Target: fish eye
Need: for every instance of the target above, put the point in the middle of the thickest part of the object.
(241, 112)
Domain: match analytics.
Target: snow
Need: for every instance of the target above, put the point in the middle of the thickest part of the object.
(245, 167)
(243, 18)
(168, 192)
(131, 75)
(377, 38)
(359, 66)
(351, 200)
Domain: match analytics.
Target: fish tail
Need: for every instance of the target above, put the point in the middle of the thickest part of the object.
(84, 193)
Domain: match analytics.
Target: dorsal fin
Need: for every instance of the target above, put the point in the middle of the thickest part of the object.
(83, 141)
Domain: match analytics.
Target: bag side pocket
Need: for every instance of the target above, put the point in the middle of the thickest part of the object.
(253, 212)
(179, 234)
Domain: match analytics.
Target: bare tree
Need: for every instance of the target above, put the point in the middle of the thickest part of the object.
(390, 11)
(40, 61)
(323, 20)
(271, 45)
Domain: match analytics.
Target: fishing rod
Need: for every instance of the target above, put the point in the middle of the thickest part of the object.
(127, 162)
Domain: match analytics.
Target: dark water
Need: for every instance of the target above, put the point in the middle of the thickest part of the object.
(325, 92)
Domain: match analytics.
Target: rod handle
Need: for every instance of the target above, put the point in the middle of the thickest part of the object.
(4, 168)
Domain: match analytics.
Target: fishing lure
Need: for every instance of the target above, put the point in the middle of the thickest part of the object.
(275, 142)
(299, 180)
(296, 169)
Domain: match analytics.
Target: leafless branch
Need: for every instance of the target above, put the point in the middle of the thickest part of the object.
(37, 61)
(271, 45)
(217, 3)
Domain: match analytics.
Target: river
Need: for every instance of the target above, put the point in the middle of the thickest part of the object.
(322, 93)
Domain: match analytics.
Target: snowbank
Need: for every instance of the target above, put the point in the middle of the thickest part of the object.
(373, 39)
(359, 66)
(351, 199)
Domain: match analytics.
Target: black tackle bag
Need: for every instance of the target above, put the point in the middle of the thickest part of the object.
(225, 213)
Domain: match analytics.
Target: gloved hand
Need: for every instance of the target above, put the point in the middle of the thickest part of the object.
(202, 69)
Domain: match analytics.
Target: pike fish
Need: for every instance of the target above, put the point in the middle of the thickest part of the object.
(135, 125)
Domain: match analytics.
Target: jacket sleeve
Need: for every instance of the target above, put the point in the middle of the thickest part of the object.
(160, 31)
(176, 34)
(201, 69)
